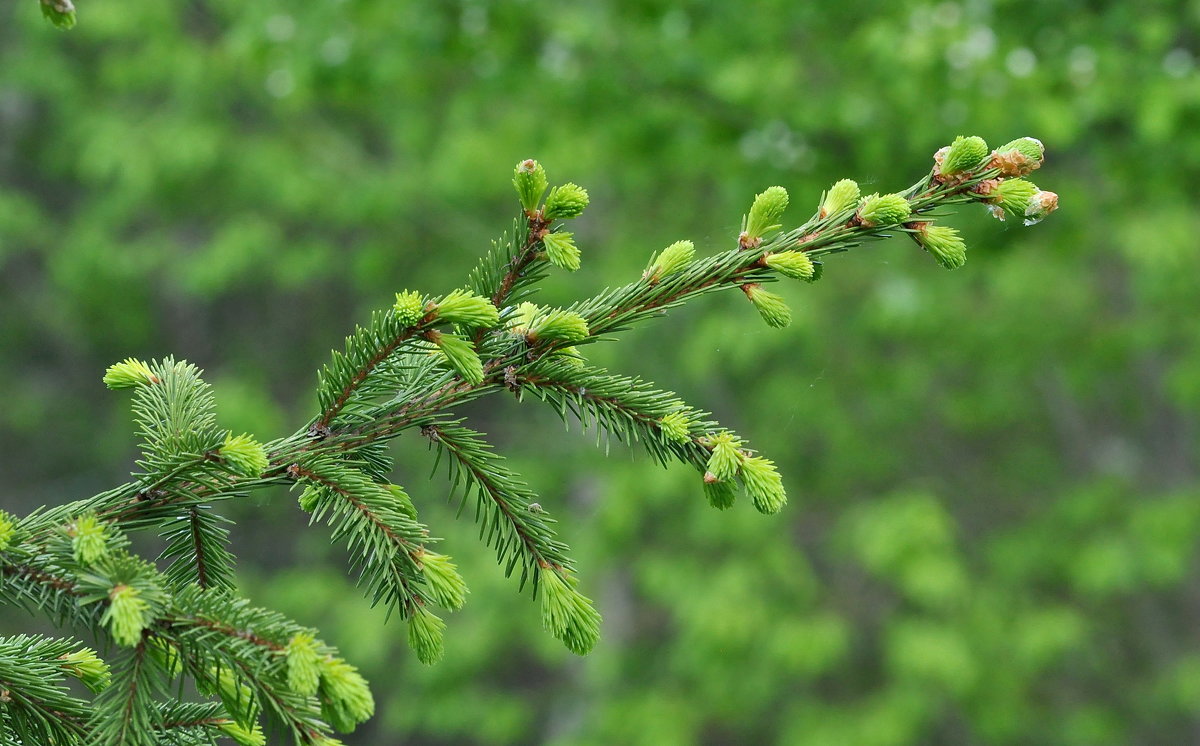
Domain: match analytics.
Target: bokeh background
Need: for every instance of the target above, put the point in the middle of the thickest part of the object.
(994, 488)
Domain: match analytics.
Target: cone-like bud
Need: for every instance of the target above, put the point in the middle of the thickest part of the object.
(677, 427)
(128, 373)
(719, 494)
(425, 635)
(87, 539)
(461, 355)
(794, 264)
(245, 454)
(309, 498)
(468, 309)
(304, 664)
(842, 196)
(1011, 197)
(560, 325)
(945, 244)
(725, 459)
(1020, 157)
(531, 182)
(409, 308)
(1041, 204)
(561, 250)
(766, 211)
(252, 736)
(86, 666)
(126, 615)
(966, 154)
(566, 201)
(670, 260)
(773, 309)
(8, 529)
(568, 614)
(404, 503)
(346, 699)
(764, 484)
(59, 12)
(446, 585)
(879, 210)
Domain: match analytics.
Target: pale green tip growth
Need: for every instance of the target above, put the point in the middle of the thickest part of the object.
(764, 484)
(425, 635)
(128, 373)
(524, 318)
(677, 427)
(670, 260)
(766, 211)
(1041, 204)
(793, 264)
(842, 196)
(126, 615)
(561, 250)
(346, 699)
(1020, 157)
(252, 737)
(773, 309)
(309, 498)
(244, 454)
(965, 154)
(59, 12)
(461, 356)
(945, 244)
(409, 308)
(87, 539)
(1012, 197)
(86, 666)
(560, 325)
(446, 585)
(725, 459)
(886, 209)
(468, 309)
(568, 614)
(719, 494)
(403, 502)
(566, 201)
(531, 182)
(8, 529)
(303, 665)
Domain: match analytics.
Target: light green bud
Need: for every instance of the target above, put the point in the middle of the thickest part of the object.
(409, 308)
(86, 666)
(945, 244)
(764, 484)
(88, 539)
(670, 260)
(310, 497)
(842, 196)
(461, 356)
(1011, 197)
(425, 635)
(794, 264)
(126, 615)
(346, 698)
(677, 426)
(566, 201)
(725, 458)
(244, 454)
(560, 325)
(566, 613)
(1041, 204)
(446, 585)
(468, 309)
(766, 211)
(773, 309)
(965, 154)
(128, 373)
(530, 182)
(561, 250)
(304, 664)
(1020, 157)
(524, 318)
(719, 494)
(8, 529)
(881, 210)
(252, 736)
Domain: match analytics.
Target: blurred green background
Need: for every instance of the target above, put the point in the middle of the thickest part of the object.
(994, 487)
